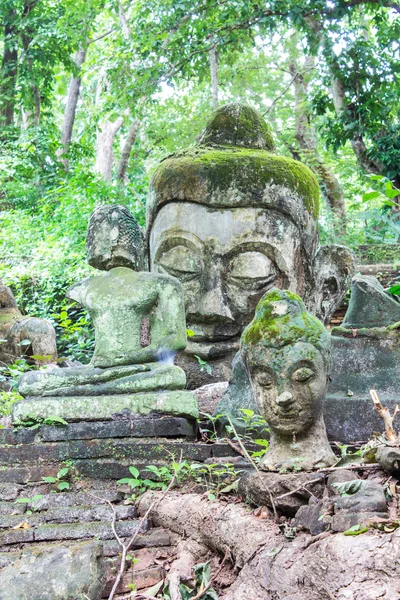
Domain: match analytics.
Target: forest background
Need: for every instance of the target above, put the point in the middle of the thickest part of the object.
(93, 93)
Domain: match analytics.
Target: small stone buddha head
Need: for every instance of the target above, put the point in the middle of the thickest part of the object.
(287, 354)
(231, 219)
(114, 239)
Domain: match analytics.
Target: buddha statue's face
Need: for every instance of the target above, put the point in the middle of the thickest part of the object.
(226, 259)
(289, 384)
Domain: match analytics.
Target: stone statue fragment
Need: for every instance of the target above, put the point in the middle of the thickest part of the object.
(286, 351)
(231, 219)
(139, 323)
(38, 334)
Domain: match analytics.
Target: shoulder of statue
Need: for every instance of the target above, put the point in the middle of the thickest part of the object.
(75, 291)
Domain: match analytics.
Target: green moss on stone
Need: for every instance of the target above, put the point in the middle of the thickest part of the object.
(238, 125)
(275, 328)
(206, 174)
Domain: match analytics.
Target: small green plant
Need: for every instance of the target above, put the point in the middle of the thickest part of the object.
(33, 422)
(59, 479)
(30, 501)
(215, 477)
(7, 400)
(204, 365)
(202, 580)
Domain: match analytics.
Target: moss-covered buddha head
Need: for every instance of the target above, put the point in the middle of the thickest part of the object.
(287, 354)
(230, 219)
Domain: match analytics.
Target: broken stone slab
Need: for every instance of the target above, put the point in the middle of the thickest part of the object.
(61, 573)
(370, 305)
(388, 457)
(256, 487)
(208, 396)
(360, 507)
(312, 517)
(106, 407)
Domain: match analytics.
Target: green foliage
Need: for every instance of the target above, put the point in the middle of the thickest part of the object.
(7, 400)
(348, 488)
(60, 479)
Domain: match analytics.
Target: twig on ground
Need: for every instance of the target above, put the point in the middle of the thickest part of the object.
(251, 461)
(236, 448)
(301, 487)
(354, 467)
(384, 413)
(317, 538)
(212, 579)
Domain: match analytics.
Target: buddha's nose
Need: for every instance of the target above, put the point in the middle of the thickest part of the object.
(284, 400)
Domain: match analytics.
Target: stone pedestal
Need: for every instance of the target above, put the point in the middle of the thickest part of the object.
(363, 359)
(107, 407)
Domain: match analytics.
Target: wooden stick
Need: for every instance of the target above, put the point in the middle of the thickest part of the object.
(384, 413)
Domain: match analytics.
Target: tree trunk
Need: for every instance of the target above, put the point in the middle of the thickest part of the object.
(126, 150)
(106, 133)
(9, 70)
(214, 76)
(70, 108)
(272, 567)
(306, 137)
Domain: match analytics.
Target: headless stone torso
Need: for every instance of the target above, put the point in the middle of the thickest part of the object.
(125, 323)
(135, 316)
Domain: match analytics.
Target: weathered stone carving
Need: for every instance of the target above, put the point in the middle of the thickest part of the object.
(16, 328)
(366, 355)
(230, 219)
(287, 354)
(128, 369)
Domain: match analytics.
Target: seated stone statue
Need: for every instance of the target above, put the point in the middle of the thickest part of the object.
(139, 322)
(286, 351)
(16, 327)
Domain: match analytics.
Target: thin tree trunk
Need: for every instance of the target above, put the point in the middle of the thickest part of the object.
(70, 108)
(106, 133)
(214, 76)
(9, 70)
(126, 150)
(307, 139)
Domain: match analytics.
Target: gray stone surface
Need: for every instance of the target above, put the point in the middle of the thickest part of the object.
(389, 458)
(16, 328)
(90, 408)
(62, 573)
(312, 517)
(256, 487)
(370, 305)
(230, 222)
(286, 351)
(209, 396)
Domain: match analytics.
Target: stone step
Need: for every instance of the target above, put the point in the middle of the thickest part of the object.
(154, 538)
(75, 499)
(11, 508)
(73, 531)
(69, 514)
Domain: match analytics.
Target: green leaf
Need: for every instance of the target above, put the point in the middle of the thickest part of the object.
(63, 485)
(395, 289)
(370, 196)
(190, 333)
(50, 479)
(348, 488)
(356, 530)
(134, 471)
(62, 472)
(22, 501)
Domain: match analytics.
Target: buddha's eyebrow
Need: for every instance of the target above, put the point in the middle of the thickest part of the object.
(248, 246)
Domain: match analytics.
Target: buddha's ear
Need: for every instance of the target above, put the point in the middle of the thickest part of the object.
(334, 267)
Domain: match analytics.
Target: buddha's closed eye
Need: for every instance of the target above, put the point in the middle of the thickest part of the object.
(251, 270)
(303, 374)
(181, 262)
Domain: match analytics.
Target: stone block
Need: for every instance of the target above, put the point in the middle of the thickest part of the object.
(48, 501)
(144, 427)
(9, 491)
(60, 573)
(154, 538)
(107, 407)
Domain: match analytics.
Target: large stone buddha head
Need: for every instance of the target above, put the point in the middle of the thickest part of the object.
(231, 220)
